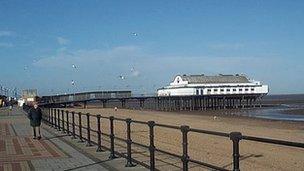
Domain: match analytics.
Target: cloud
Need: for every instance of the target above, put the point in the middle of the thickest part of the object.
(226, 46)
(135, 73)
(103, 66)
(6, 45)
(62, 41)
(125, 48)
(6, 33)
(122, 58)
(64, 58)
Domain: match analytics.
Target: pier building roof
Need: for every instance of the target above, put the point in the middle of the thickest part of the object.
(203, 79)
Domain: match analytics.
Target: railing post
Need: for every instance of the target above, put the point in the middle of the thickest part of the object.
(58, 116)
(185, 157)
(55, 117)
(236, 137)
(112, 138)
(98, 134)
(67, 123)
(88, 131)
(44, 114)
(62, 117)
(80, 127)
(49, 116)
(73, 125)
(52, 118)
(129, 143)
(151, 125)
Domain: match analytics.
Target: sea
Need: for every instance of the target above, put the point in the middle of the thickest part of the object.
(280, 107)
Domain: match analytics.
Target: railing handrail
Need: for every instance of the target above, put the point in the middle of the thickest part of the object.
(53, 118)
(273, 141)
(216, 133)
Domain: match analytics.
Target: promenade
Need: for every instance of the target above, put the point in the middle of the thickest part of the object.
(55, 151)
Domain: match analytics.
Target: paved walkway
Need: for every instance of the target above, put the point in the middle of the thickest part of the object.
(18, 151)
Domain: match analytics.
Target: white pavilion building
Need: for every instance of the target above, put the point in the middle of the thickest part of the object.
(218, 85)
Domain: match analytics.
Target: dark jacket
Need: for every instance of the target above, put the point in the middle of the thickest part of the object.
(35, 116)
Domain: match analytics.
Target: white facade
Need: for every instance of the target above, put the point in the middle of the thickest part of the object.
(21, 102)
(181, 87)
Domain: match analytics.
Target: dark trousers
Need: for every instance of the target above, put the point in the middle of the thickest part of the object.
(34, 131)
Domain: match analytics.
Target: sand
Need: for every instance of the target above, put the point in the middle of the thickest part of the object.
(207, 148)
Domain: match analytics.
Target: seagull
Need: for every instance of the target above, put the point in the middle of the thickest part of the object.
(134, 34)
(122, 77)
(72, 82)
(74, 66)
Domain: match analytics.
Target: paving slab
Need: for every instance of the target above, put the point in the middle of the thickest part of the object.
(55, 151)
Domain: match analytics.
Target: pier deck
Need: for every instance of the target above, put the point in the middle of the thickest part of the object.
(163, 103)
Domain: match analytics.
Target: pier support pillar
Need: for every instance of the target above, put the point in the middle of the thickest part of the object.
(142, 103)
(104, 104)
(85, 105)
(254, 103)
(242, 102)
(212, 103)
(123, 103)
(224, 102)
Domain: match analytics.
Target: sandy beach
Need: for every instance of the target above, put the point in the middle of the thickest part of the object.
(208, 148)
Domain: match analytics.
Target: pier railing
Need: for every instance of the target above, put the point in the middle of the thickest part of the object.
(64, 121)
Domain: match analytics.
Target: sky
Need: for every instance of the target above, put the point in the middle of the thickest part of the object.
(140, 45)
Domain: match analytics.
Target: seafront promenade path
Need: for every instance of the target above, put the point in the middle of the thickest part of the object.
(55, 151)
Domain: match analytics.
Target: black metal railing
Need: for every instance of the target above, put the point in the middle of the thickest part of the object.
(52, 117)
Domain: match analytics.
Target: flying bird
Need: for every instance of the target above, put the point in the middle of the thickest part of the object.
(122, 77)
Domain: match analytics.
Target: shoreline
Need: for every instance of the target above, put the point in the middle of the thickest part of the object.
(293, 111)
(240, 116)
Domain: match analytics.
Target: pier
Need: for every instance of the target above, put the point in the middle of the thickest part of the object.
(123, 99)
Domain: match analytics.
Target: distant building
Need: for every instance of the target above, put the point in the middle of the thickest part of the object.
(2, 100)
(201, 85)
(29, 96)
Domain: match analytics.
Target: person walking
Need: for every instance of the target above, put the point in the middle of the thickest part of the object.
(35, 116)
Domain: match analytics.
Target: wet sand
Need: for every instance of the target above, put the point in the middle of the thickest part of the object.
(208, 148)
(293, 111)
